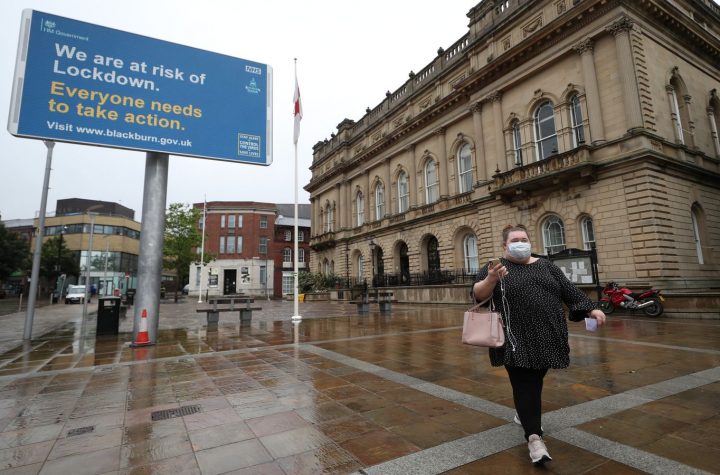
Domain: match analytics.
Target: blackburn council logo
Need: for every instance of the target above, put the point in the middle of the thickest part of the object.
(252, 88)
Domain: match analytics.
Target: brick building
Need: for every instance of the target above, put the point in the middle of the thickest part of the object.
(248, 240)
(593, 122)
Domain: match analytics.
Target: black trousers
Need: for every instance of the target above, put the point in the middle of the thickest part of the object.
(527, 387)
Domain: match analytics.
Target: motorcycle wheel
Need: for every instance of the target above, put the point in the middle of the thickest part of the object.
(655, 309)
(607, 307)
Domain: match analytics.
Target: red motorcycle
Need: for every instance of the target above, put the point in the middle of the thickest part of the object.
(649, 301)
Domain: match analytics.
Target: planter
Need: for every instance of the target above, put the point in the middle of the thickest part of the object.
(317, 296)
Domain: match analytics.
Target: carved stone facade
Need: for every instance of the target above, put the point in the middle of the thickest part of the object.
(589, 122)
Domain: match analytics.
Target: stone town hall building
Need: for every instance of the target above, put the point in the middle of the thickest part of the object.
(592, 122)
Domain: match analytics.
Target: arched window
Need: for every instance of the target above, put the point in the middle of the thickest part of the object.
(301, 255)
(588, 233)
(470, 250)
(553, 235)
(360, 208)
(517, 143)
(680, 109)
(329, 218)
(431, 182)
(326, 266)
(464, 159)
(403, 192)
(287, 254)
(697, 223)
(360, 268)
(714, 118)
(675, 113)
(379, 201)
(576, 121)
(545, 133)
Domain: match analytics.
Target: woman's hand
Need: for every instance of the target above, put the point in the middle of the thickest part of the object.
(497, 271)
(598, 315)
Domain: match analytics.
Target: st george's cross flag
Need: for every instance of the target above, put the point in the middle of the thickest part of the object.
(298, 111)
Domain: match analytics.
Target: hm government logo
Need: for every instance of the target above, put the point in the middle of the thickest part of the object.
(48, 26)
(252, 88)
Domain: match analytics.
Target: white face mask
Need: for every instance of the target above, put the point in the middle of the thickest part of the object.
(519, 250)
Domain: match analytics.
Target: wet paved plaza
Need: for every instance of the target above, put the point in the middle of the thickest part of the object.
(340, 393)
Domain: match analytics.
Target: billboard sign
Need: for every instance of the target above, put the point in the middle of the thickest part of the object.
(83, 83)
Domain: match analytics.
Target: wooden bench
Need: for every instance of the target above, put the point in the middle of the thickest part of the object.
(213, 313)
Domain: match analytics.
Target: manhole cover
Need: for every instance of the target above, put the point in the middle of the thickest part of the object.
(177, 412)
(80, 431)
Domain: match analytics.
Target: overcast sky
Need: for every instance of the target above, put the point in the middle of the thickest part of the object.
(349, 54)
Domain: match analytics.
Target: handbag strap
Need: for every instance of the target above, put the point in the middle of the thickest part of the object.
(480, 304)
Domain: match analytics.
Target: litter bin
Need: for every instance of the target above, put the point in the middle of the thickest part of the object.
(108, 316)
(130, 296)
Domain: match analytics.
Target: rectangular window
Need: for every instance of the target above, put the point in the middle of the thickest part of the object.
(222, 245)
(239, 244)
(239, 221)
(231, 244)
(301, 236)
(301, 254)
(288, 235)
(263, 222)
(288, 283)
(198, 274)
(222, 221)
(231, 221)
(263, 275)
(263, 245)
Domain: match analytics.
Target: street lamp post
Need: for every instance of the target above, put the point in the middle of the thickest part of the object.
(59, 263)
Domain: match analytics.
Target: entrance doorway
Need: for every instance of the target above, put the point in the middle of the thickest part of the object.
(404, 264)
(229, 281)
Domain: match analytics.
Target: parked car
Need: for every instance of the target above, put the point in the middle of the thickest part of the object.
(75, 294)
(186, 289)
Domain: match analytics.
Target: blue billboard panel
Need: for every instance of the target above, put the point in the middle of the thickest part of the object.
(83, 83)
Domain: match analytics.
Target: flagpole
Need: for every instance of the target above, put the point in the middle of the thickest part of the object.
(297, 112)
(202, 248)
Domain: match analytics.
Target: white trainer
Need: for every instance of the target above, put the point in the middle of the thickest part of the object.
(538, 452)
(516, 420)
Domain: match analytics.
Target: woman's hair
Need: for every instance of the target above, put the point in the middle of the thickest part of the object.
(510, 228)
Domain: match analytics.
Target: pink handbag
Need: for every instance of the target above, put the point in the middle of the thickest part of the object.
(483, 326)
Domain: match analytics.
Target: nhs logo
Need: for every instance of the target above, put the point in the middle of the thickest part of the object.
(253, 70)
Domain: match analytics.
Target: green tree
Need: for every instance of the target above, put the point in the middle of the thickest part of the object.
(57, 259)
(14, 253)
(182, 238)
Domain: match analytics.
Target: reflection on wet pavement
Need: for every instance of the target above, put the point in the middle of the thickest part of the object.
(338, 393)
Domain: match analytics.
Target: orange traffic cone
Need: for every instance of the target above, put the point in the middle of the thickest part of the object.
(142, 337)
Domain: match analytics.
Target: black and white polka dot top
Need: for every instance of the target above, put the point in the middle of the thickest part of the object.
(535, 294)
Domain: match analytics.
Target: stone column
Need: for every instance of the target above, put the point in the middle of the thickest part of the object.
(620, 29)
(366, 194)
(496, 99)
(340, 211)
(442, 163)
(592, 95)
(412, 179)
(388, 189)
(480, 168)
(313, 215)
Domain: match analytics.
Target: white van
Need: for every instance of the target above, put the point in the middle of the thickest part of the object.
(75, 294)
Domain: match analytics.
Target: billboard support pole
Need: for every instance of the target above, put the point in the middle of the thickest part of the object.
(152, 239)
(35, 273)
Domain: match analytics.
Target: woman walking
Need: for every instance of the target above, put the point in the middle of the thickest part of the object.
(530, 293)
